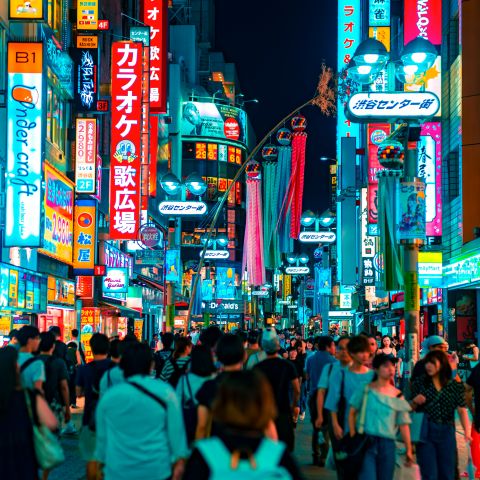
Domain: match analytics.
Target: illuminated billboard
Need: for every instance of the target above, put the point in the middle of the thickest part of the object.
(379, 13)
(31, 10)
(87, 14)
(85, 79)
(58, 230)
(84, 236)
(25, 131)
(423, 18)
(85, 155)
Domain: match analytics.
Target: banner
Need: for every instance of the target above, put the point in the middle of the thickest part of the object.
(32, 10)
(25, 131)
(84, 237)
(85, 79)
(58, 230)
(85, 155)
(412, 211)
(172, 266)
(125, 140)
(423, 18)
(225, 284)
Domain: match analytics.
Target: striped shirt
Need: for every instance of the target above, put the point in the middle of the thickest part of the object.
(168, 368)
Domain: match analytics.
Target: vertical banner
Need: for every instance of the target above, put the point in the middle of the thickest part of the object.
(379, 13)
(85, 155)
(85, 92)
(125, 178)
(84, 236)
(25, 130)
(411, 217)
(423, 18)
(152, 188)
(155, 15)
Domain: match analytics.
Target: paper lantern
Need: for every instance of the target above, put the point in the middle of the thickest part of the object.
(269, 153)
(299, 123)
(284, 136)
(391, 154)
(253, 170)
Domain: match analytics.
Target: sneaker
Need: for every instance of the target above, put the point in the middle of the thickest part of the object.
(301, 417)
(69, 429)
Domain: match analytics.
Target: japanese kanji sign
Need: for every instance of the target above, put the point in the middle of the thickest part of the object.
(85, 155)
(125, 140)
(155, 15)
(181, 209)
(379, 13)
(87, 14)
(423, 18)
(384, 106)
(84, 236)
(85, 79)
(317, 237)
(216, 254)
(297, 270)
(368, 272)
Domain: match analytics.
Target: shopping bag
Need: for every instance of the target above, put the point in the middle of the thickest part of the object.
(404, 472)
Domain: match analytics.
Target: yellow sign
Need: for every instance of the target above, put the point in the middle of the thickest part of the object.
(138, 329)
(382, 34)
(89, 322)
(61, 291)
(5, 325)
(13, 289)
(22, 9)
(87, 41)
(84, 236)
(87, 14)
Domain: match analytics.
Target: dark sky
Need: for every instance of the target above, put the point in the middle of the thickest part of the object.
(278, 47)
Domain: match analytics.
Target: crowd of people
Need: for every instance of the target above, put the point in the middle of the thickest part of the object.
(212, 403)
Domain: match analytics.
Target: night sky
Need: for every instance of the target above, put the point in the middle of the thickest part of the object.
(278, 47)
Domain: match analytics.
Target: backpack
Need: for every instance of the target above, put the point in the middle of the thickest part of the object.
(264, 464)
(50, 389)
(160, 359)
(189, 409)
(177, 372)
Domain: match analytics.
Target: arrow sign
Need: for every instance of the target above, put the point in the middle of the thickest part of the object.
(317, 237)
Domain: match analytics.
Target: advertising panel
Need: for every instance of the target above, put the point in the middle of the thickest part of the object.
(23, 176)
(125, 142)
(172, 266)
(379, 13)
(368, 272)
(32, 10)
(111, 256)
(85, 155)
(377, 133)
(155, 15)
(430, 169)
(462, 272)
(61, 291)
(225, 285)
(89, 324)
(87, 14)
(423, 18)
(85, 92)
(430, 269)
(412, 211)
(152, 171)
(84, 236)
(58, 231)
(84, 286)
(115, 281)
(208, 119)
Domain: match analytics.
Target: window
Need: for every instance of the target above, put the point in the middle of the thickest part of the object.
(453, 181)
(55, 17)
(453, 41)
(56, 114)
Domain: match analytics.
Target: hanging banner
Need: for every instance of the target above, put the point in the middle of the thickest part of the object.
(125, 143)
(25, 131)
(85, 155)
(172, 266)
(58, 230)
(87, 14)
(152, 172)
(423, 18)
(84, 236)
(85, 79)
(155, 15)
(412, 211)
(225, 283)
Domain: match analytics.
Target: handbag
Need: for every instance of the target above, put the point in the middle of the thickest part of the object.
(48, 450)
(404, 472)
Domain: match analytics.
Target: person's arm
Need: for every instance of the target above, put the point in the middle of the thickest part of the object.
(463, 414)
(352, 421)
(79, 357)
(405, 434)
(196, 467)
(203, 420)
(320, 402)
(295, 393)
(38, 375)
(469, 398)
(271, 431)
(45, 415)
(65, 392)
(101, 413)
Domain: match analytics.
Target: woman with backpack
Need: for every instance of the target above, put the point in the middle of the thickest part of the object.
(243, 408)
(17, 453)
(177, 364)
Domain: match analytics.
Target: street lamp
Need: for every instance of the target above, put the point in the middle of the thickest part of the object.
(327, 218)
(215, 93)
(170, 184)
(310, 218)
(196, 184)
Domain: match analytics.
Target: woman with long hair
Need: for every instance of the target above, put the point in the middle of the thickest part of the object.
(17, 454)
(438, 396)
(387, 347)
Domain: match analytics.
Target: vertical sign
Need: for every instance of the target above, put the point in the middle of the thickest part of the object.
(155, 15)
(152, 190)
(32, 10)
(84, 236)
(125, 147)
(85, 79)
(423, 18)
(379, 13)
(87, 14)
(23, 176)
(85, 154)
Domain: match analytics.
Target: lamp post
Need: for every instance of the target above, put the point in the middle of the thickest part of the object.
(417, 57)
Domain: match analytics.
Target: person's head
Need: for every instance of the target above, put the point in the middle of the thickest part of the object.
(74, 333)
(359, 349)
(270, 342)
(99, 344)
(201, 362)
(136, 360)
(210, 336)
(252, 338)
(292, 353)
(10, 375)
(167, 340)
(13, 335)
(435, 342)
(300, 347)
(372, 342)
(56, 331)
(72, 345)
(378, 336)
(183, 347)
(244, 401)
(47, 343)
(436, 363)
(29, 338)
(155, 336)
(230, 351)
(115, 350)
(384, 366)
(326, 344)
(386, 341)
(342, 351)
(309, 345)
(293, 342)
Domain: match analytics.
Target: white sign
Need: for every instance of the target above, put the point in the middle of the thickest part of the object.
(297, 270)
(339, 314)
(430, 269)
(233, 306)
(260, 293)
(385, 106)
(216, 254)
(317, 237)
(182, 209)
(345, 300)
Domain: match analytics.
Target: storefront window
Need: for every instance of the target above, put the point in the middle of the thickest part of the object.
(56, 114)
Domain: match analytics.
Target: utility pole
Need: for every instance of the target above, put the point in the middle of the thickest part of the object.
(170, 290)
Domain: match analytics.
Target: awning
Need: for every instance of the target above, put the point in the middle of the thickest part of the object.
(150, 282)
(123, 311)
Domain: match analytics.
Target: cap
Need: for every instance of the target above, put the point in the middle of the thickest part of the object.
(383, 358)
(270, 343)
(434, 340)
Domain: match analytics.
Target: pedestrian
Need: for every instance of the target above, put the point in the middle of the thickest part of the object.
(439, 396)
(253, 346)
(73, 361)
(60, 347)
(162, 355)
(75, 338)
(178, 363)
(387, 347)
(231, 355)
(380, 411)
(431, 343)
(256, 356)
(243, 408)
(88, 386)
(285, 385)
(201, 370)
(32, 369)
(13, 339)
(140, 431)
(300, 362)
(314, 365)
(154, 343)
(17, 453)
(55, 387)
(471, 353)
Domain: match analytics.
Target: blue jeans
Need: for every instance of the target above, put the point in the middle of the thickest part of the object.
(436, 454)
(303, 397)
(379, 460)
